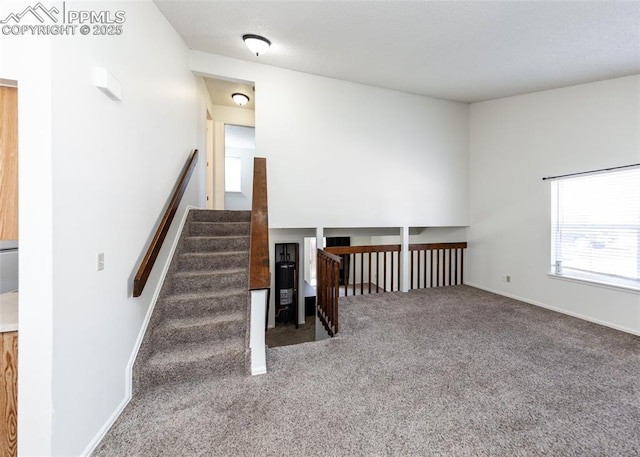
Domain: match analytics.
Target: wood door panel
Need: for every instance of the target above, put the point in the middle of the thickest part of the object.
(8, 163)
(9, 394)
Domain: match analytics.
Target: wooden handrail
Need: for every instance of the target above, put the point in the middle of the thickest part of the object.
(153, 250)
(338, 250)
(328, 290)
(433, 246)
(259, 271)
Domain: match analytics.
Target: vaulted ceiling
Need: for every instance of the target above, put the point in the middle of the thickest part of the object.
(465, 51)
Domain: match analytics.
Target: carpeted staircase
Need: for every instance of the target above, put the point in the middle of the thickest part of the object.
(199, 325)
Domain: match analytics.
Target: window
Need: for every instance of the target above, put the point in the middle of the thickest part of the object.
(232, 174)
(595, 228)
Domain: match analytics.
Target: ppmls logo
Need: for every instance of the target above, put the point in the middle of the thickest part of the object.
(40, 20)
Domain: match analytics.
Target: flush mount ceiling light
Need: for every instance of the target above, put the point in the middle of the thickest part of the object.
(257, 44)
(240, 99)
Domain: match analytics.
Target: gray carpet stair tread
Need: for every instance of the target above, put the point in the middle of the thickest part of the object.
(209, 295)
(221, 237)
(221, 216)
(207, 321)
(216, 243)
(201, 304)
(219, 228)
(225, 272)
(196, 352)
(194, 261)
(213, 254)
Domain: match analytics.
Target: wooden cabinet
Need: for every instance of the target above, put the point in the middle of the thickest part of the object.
(8, 163)
(9, 394)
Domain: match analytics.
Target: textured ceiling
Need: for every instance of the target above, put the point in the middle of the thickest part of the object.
(465, 51)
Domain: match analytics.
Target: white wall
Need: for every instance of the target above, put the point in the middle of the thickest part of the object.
(341, 154)
(95, 175)
(514, 143)
(33, 74)
(231, 115)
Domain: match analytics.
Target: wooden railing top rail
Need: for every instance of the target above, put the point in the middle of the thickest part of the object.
(338, 250)
(328, 254)
(259, 271)
(359, 249)
(434, 246)
(153, 250)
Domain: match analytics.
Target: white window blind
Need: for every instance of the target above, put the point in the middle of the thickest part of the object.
(595, 227)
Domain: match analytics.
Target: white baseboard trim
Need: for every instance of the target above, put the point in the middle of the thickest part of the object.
(136, 347)
(556, 309)
(93, 444)
(154, 299)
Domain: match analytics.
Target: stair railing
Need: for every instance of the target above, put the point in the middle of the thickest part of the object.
(436, 264)
(383, 259)
(142, 275)
(379, 266)
(374, 269)
(259, 269)
(328, 286)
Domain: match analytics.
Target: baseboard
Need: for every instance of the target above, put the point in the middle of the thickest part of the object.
(154, 300)
(556, 309)
(129, 370)
(93, 444)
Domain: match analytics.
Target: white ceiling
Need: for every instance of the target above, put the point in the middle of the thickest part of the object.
(220, 92)
(466, 51)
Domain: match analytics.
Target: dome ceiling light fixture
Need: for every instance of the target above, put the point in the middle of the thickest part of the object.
(256, 43)
(240, 99)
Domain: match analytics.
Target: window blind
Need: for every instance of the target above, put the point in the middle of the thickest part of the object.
(232, 174)
(595, 227)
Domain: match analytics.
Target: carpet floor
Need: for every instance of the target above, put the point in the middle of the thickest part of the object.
(447, 371)
(287, 334)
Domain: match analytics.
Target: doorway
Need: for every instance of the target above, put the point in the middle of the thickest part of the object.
(239, 151)
(223, 112)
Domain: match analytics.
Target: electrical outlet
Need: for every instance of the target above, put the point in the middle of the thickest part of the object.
(100, 261)
(506, 278)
